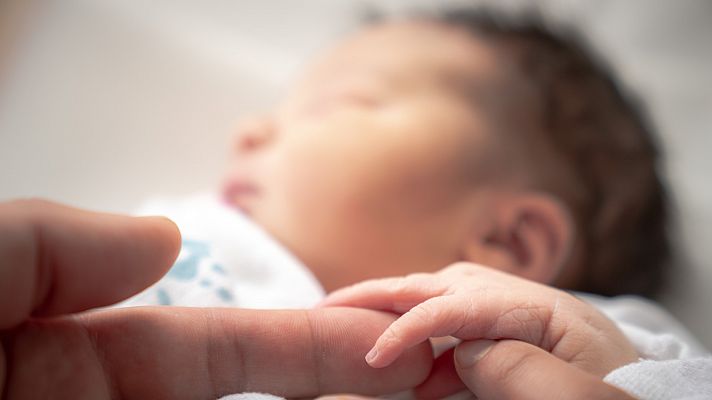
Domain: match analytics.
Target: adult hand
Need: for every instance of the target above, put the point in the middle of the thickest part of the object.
(511, 369)
(55, 261)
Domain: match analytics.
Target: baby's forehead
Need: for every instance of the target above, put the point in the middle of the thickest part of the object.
(407, 52)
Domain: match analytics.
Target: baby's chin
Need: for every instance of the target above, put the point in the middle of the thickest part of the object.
(332, 269)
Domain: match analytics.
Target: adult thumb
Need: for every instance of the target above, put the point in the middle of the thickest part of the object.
(510, 369)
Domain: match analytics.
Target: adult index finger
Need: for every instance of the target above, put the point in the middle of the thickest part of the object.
(56, 259)
(188, 353)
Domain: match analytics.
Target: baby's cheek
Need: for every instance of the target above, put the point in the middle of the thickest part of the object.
(313, 190)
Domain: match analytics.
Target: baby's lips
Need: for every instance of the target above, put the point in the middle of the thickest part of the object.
(237, 188)
(239, 194)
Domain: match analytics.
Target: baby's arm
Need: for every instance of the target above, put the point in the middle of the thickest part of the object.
(472, 302)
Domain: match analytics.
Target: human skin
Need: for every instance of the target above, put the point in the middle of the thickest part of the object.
(59, 261)
(375, 162)
(471, 303)
(386, 159)
(361, 155)
(511, 369)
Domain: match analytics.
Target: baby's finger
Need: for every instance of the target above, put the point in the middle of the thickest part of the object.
(438, 316)
(391, 294)
(561, 325)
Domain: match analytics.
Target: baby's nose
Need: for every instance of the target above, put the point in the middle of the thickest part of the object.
(253, 133)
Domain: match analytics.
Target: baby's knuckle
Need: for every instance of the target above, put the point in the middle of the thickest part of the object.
(416, 278)
(392, 336)
(462, 268)
(408, 283)
(399, 286)
(360, 286)
(423, 313)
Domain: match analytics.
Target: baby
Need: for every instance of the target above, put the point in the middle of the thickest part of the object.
(442, 144)
(418, 144)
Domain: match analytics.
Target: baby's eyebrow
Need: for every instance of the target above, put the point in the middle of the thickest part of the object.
(370, 85)
(468, 87)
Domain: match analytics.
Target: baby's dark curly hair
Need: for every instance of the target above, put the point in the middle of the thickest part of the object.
(608, 161)
(604, 139)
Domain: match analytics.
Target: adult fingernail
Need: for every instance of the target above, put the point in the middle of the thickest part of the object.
(467, 354)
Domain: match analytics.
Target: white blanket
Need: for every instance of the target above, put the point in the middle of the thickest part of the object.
(227, 260)
(673, 364)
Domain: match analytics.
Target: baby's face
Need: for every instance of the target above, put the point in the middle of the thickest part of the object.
(367, 167)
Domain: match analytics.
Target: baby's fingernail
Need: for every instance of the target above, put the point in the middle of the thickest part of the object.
(468, 353)
(371, 355)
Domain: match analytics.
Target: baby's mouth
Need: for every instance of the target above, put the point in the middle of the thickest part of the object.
(240, 195)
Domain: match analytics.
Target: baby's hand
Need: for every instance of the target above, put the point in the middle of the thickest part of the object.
(472, 302)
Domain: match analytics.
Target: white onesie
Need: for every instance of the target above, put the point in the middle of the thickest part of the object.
(228, 261)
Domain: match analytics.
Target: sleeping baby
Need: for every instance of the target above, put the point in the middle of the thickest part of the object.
(453, 169)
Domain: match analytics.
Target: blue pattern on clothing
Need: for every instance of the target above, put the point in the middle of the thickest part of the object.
(195, 256)
(224, 294)
(163, 298)
(186, 268)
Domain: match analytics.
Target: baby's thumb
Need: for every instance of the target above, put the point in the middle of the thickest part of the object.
(510, 369)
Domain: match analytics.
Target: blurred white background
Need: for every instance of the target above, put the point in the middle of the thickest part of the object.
(105, 103)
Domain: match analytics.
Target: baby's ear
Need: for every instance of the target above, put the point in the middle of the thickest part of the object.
(528, 234)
